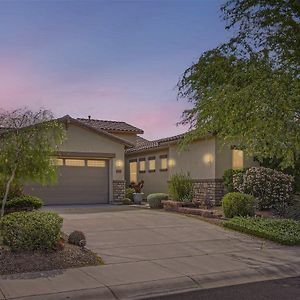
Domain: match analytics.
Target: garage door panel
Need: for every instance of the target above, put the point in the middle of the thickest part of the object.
(75, 185)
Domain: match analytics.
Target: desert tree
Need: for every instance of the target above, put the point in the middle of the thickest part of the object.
(248, 89)
(28, 140)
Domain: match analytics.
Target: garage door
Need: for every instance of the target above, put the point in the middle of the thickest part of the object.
(80, 181)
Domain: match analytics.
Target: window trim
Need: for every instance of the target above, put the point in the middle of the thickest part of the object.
(151, 158)
(143, 159)
(136, 173)
(232, 158)
(161, 157)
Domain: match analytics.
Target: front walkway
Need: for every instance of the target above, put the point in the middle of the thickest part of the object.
(149, 252)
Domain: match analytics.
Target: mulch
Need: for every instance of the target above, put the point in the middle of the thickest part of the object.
(70, 256)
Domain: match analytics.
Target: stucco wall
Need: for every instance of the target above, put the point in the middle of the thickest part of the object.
(224, 159)
(198, 159)
(79, 139)
(155, 182)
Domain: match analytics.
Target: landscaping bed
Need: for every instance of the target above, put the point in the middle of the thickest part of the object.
(70, 256)
(190, 209)
(283, 231)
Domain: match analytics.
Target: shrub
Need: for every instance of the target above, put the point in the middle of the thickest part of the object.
(25, 202)
(77, 238)
(28, 231)
(181, 187)
(228, 179)
(237, 204)
(16, 190)
(293, 211)
(271, 188)
(283, 231)
(126, 201)
(154, 200)
(129, 193)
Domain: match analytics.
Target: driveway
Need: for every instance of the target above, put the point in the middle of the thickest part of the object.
(148, 253)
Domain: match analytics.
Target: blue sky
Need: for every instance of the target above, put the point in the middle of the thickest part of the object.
(117, 60)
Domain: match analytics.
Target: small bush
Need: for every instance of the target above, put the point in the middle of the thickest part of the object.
(283, 231)
(24, 203)
(28, 231)
(126, 201)
(16, 190)
(154, 200)
(129, 193)
(293, 211)
(238, 204)
(77, 238)
(181, 187)
(228, 179)
(271, 188)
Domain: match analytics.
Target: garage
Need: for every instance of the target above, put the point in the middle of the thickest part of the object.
(79, 181)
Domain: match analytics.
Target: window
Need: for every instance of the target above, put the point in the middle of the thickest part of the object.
(163, 162)
(57, 161)
(133, 171)
(75, 162)
(237, 159)
(151, 166)
(142, 166)
(96, 163)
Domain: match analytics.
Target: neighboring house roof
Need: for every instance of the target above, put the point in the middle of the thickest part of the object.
(111, 126)
(69, 120)
(144, 145)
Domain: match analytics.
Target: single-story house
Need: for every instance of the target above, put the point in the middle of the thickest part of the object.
(98, 159)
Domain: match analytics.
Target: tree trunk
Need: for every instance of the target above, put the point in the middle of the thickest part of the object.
(7, 191)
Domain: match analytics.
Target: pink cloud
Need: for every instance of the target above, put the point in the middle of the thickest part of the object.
(24, 84)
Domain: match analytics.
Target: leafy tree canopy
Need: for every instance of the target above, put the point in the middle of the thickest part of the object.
(268, 27)
(28, 139)
(246, 91)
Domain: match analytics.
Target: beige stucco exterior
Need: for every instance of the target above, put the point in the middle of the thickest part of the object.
(224, 159)
(204, 159)
(79, 139)
(198, 160)
(155, 182)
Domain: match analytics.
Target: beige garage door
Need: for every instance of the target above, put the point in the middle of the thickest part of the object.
(80, 181)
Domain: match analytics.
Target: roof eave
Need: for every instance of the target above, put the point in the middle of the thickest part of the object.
(68, 119)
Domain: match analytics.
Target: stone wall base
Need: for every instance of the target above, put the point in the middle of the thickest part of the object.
(208, 191)
(118, 191)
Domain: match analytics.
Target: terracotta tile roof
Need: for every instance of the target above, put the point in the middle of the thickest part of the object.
(143, 144)
(69, 119)
(111, 126)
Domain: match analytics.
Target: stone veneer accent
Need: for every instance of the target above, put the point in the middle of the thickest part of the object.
(118, 191)
(208, 191)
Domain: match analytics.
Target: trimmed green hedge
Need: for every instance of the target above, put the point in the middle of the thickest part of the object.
(24, 202)
(154, 200)
(28, 231)
(238, 204)
(283, 231)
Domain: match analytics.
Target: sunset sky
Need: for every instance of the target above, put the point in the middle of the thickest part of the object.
(114, 60)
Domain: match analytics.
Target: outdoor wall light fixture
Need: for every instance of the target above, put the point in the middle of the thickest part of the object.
(208, 158)
(119, 163)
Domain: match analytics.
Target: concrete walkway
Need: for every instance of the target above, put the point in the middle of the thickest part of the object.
(148, 253)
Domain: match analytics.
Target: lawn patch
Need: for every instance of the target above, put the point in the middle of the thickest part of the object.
(283, 231)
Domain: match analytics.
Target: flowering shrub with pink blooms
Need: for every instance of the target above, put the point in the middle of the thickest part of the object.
(271, 188)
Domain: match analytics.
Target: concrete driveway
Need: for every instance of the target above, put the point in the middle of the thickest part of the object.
(145, 246)
(148, 253)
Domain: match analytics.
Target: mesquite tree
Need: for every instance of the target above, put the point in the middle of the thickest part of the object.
(247, 91)
(27, 141)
